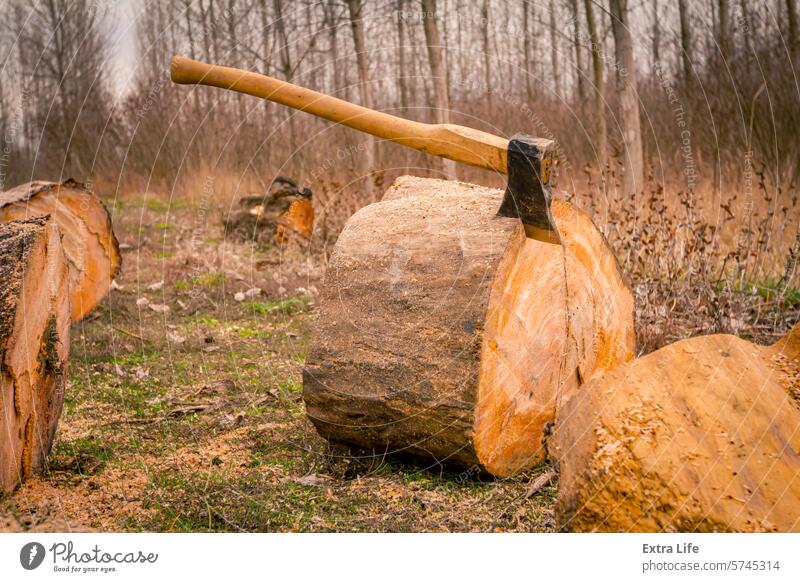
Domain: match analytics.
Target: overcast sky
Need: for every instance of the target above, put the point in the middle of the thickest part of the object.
(121, 22)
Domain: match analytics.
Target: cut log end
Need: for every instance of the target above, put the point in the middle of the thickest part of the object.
(702, 435)
(88, 238)
(34, 343)
(445, 332)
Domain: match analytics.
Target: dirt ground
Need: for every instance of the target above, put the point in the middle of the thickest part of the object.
(183, 408)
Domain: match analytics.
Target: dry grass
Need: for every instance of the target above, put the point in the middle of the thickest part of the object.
(190, 419)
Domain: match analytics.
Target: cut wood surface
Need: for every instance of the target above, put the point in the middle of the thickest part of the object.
(445, 332)
(88, 238)
(702, 435)
(34, 343)
(297, 221)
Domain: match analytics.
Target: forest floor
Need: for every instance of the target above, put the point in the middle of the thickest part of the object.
(183, 408)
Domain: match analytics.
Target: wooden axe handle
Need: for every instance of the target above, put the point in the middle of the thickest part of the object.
(461, 144)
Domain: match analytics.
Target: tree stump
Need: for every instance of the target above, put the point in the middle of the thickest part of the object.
(34, 343)
(444, 332)
(702, 435)
(88, 238)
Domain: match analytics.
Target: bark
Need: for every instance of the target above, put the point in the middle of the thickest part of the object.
(457, 346)
(401, 57)
(88, 238)
(724, 28)
(794, 39)
(633, 162)
(487, 64)
(34, 344)
(686, 42)
(576, 23)
(527, 27)
(748, 30)
(656, 35)
(440, 93)
(355, 8)
(288, 72)
(600, 88)
(698, 436)
(554, 51)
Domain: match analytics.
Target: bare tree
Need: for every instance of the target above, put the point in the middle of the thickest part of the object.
(656, 35)
(686, 42)
(576, 24)
(401, 55)
(442, 101)
(629, 100)
(356, 8)
(487, 65)
(71, 103)
(527, 31)
(723, 28)
(794, 41)
(554, 50)
(599, 86)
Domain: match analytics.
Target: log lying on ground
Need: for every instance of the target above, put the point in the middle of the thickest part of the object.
(444, 332)
(283, 215)
(34, 343)
(88, 238)
(702, 435)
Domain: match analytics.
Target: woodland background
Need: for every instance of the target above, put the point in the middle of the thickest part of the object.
(675, 122)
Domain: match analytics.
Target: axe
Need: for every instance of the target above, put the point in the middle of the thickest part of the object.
(526, 160)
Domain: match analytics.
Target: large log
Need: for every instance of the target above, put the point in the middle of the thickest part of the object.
(34, 343)
(702, 435)
(445, 332)
(88, 238)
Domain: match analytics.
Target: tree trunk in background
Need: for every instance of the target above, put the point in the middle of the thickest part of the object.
(554, 50)
(748, 30)
(401, 56)
(442, 102)
(527, 33)
(487, 65)
(355, 8)
(724, 28)
(599, 88)
(656, 36)
(633, 180)
(576, 24)
(794, 41)
(288, 75)
(686, 43)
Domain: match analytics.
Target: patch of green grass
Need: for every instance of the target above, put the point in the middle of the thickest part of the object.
(767, 290)
(161, 255)
(246, 332)
(85, 446)
(291, 386)
(157, 205)
(162, 225)
(208, 280)
(206, 320)
(84, 456)
(136, 358)
(288, 306)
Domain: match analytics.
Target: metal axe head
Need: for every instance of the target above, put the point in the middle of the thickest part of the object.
(528, 193)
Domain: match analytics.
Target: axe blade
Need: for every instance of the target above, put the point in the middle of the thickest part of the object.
(528, 194)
